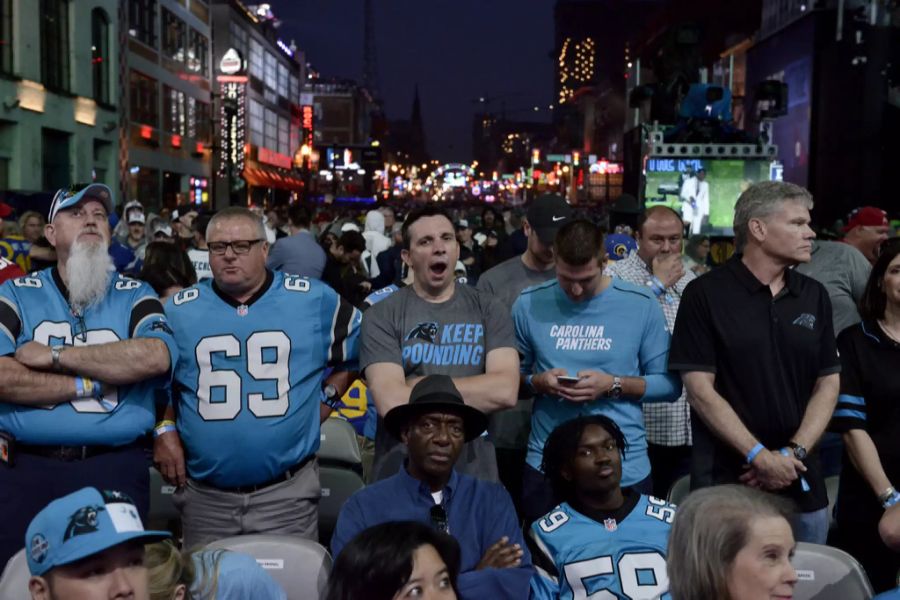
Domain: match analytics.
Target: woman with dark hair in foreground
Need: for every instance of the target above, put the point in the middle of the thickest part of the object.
(394, 561)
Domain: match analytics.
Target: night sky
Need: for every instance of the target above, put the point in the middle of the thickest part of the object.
(457, 50)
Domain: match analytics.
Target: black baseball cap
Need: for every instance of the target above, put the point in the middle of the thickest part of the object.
(547, 215)
(436, 393)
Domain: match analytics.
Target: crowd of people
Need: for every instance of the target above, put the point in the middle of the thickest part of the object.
(522, 368)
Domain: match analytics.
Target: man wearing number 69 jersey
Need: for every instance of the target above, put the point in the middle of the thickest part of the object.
(81, 351)
(249, 391)
(602, 540)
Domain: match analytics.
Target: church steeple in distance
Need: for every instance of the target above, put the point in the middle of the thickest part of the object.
(418, 150)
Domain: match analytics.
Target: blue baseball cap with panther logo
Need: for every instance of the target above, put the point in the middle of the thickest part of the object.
(80, 525)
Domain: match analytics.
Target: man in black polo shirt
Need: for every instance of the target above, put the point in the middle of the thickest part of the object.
(755, 347)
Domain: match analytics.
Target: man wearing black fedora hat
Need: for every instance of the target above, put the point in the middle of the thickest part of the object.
(433, 426)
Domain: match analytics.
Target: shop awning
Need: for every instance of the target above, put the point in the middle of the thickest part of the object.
(272, 179)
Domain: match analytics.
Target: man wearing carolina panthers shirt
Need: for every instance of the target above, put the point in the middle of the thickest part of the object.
(437, 327)
(608, 334)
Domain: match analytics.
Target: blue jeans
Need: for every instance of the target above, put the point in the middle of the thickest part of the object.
(811, 527)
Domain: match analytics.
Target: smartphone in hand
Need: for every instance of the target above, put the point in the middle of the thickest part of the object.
(567, 381)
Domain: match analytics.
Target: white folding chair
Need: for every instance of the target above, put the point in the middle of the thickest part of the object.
(300, 566)
(338, 444)
(679, 490)
(337, 485)
(162, 513)
(826, 573)
(14, 581)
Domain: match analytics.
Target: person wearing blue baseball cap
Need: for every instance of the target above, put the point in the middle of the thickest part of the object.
(82, 351)
(88, 545)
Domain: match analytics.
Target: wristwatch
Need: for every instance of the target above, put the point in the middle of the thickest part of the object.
(615, 391)
(800, 453)
(330, 396)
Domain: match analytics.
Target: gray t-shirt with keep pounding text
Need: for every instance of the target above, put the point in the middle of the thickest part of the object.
(449, 338)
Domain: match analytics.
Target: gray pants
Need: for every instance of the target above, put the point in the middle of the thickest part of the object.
(290, 507)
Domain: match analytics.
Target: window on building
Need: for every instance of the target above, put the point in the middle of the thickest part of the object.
(6, 36)
(271, 77)
(294, 90)
(174, 33)
(256, 59)
(55, 44)
(238, 38)
(191, 109)
(142, 21)
(100, 57)
(144, 99)
(257, 124)
(198, 53)
(174, 111)
(284, 136)
(202, 121)
(271, 130)
(283, 81)
(55, 159)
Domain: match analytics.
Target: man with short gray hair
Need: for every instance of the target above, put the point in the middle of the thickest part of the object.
(755, 347)
(256, 345)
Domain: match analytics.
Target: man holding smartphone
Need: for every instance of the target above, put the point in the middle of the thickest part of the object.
(590, 344)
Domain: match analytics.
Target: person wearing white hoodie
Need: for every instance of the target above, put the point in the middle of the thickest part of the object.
(376, 241)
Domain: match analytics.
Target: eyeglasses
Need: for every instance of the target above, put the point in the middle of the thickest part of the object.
(439, 519)
(238, 246)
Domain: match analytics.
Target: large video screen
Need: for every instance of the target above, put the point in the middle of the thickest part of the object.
(665, 179)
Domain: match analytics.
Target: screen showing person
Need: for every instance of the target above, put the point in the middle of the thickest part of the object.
(703, 189)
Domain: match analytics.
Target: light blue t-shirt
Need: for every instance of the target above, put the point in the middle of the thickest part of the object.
(621, 331)
(249, 384)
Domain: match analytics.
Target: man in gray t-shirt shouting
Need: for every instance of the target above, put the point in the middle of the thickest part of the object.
(435, 326)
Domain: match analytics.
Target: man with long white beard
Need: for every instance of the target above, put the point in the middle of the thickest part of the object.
(81, 351)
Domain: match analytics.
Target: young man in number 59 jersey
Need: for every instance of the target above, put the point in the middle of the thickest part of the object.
(602, 537)
(250, 392)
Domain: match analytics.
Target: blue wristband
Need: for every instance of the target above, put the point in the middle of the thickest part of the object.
(894, 499)
(754, 451)
(162, 429)
(79, 387)
(529, 382)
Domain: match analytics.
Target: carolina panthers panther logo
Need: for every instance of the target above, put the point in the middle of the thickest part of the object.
(423, 331)
(82, 521)
(806, 320)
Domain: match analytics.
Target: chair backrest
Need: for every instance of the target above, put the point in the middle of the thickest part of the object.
(337, 485)
(300, 566)
(162, 509)
(679, 490)
(831, 487)
(338, 444)
(14, 581)
(826, 573)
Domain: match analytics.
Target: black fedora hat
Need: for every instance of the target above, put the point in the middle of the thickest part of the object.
(436, 393)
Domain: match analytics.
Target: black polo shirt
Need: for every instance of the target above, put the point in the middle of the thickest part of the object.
(766, 353)
(870, 387)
